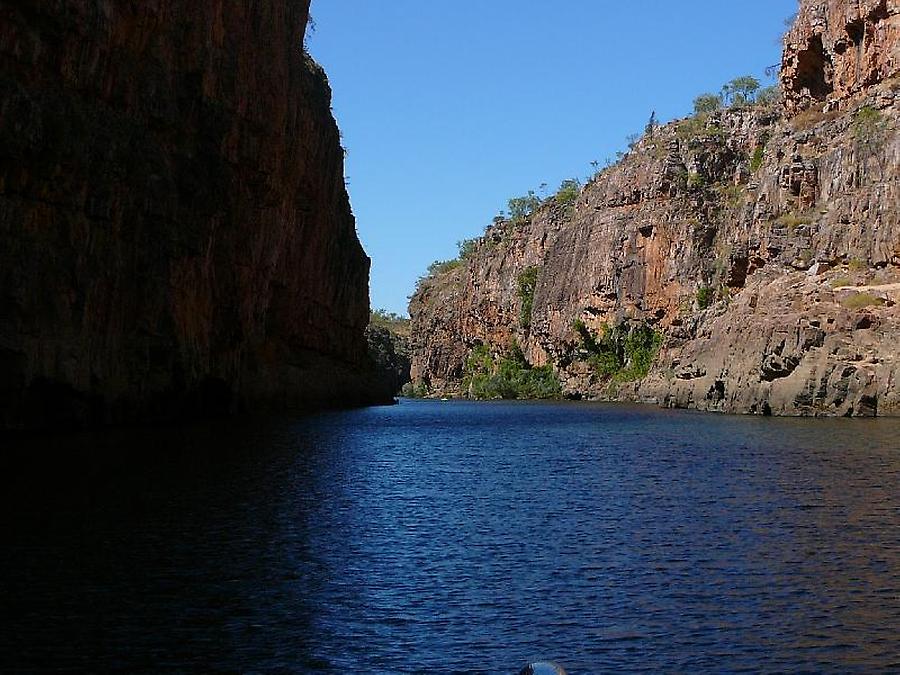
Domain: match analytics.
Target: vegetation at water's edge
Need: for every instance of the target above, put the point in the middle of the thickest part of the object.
(620, 353)
(414, 390)
(507, 377)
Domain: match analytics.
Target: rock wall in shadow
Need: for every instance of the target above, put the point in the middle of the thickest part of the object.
(176, 236)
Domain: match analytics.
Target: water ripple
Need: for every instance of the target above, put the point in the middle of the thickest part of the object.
(458, 537)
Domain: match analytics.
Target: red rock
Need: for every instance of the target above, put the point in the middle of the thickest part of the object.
(681, 222)
(177, 237)
(837, 49)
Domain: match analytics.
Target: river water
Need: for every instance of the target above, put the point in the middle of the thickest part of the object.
(457, 537)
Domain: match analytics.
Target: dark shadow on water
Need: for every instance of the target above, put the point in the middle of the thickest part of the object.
(456, 536)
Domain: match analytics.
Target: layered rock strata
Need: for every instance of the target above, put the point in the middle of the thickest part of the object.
(761, 244)
(176, 235)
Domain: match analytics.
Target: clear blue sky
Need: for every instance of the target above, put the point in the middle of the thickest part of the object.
(450, 107)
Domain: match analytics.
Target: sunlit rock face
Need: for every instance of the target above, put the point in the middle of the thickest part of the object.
(837, 49)
(177, 238)
(761, 243)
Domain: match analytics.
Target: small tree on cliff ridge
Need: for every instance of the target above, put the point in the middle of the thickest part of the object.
(652, 124)
(740, 91)
(568, 191)
(705, 104)
(522, 207)
(769, 95)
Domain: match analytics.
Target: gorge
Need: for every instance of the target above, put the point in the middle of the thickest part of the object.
(745, 260)
(177, 247)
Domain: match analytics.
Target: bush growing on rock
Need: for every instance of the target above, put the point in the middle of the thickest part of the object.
(695, 128)
(414, 390)
(621, 353)
(793, 220)
(857, 265)
(759, 153)
(705, 297)
(769, 95)
(861, 300)
(466, 248)
(526, 285)
(841, 282)
(521, 207)
(706, 104)
(740, 91)
(390, 321)
(509, 377)
(437, 268)
(868, 128)
(732, 195)
(441, 266)
(568, 191)
(641, 347)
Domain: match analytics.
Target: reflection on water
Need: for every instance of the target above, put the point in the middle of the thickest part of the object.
(458, 537)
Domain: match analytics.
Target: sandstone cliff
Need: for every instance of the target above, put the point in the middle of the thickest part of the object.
(758, 246)
(837, 49)
(177, 237)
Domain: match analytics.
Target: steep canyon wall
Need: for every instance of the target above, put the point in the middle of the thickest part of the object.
(176, 234)
(761, 244)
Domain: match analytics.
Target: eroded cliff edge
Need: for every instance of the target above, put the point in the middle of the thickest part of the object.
(176, 234)
(753, 252)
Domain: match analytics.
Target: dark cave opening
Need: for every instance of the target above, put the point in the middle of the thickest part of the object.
(856, 30)
(880, 12)
(814, 70)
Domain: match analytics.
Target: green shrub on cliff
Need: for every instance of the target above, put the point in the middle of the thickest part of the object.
(521, 208)
(705, 104)
(568, 191)
(768, 96)
(862, 300)
(732, 195)
(793, 220)
(436, 269)
(441, 266)
(705, 297)
(621, 353)
(526, 285)
(857, 265)
(759, 154)
(641, 347)
(740, 91)
(467, 248)
(509, 377)
(696, 128)
(868, 127)
(841, 282)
